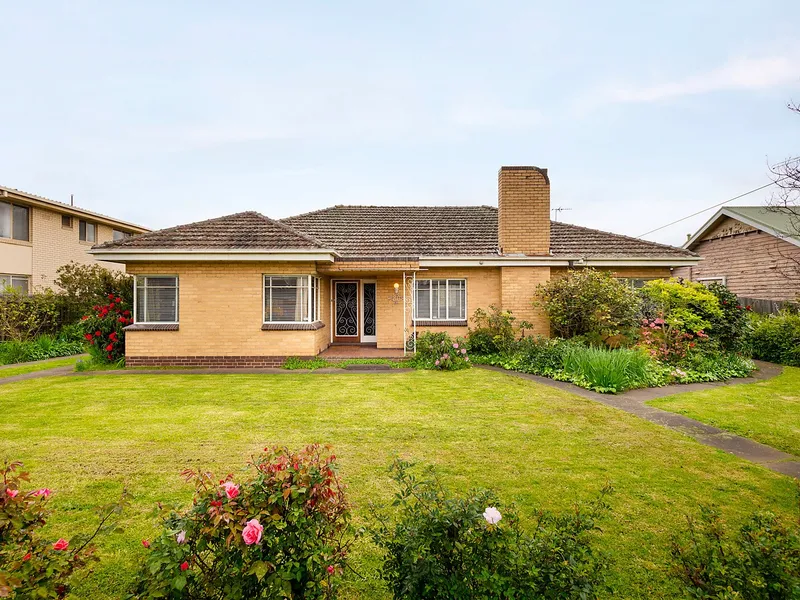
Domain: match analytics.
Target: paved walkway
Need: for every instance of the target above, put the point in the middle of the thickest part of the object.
(633, 402)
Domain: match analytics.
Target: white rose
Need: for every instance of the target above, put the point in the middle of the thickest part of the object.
(492, 515)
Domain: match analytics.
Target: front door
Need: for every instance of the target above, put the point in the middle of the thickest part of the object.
(345, 328)
(369, 333)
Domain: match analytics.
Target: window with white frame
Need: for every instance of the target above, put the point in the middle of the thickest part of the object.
(156, 299)
(18, 283)
(291, 299)
(15, 221)
(440, 299)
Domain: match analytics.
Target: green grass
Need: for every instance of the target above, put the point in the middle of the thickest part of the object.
(42, 366)
(295, 364)
(767, 411)
(88, 436)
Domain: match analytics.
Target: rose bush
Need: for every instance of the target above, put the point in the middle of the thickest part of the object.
(441, 352)
(280, 531)
(104, 329)
(30, 566)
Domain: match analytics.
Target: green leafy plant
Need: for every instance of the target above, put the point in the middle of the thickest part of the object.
(441, 352)
(282, 531)
(494, 331)
(609, 371)
(87, 285)
(104, 329)
(43, 347)
(685, 306)
(24, 317)
(761, 561)
(30, 566)
(776, 338)
(732, 330)
(441, 546)
(589, 303)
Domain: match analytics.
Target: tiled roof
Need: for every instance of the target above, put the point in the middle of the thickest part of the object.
(389, 231)
(246, 230)
(454, 231)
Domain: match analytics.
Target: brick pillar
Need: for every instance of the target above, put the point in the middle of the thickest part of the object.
(518, 286)
(523, 199)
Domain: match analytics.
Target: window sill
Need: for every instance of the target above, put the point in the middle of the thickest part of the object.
(16, 242)
(440, 323)
(293, 326)
(152, 327)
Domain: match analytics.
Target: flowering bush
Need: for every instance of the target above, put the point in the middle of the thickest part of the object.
(31, 567)
(440, 351)
(104, 329)
(454, 548)
(684, 305)
(277, 533)
(667, 343)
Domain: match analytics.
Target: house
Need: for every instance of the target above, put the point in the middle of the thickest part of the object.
(38, 235)
(246, 290)
(753, 250)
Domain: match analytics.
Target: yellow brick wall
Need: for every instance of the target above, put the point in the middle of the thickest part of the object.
(518, 291)
(221, 313)
(54, 246)
(523, 200)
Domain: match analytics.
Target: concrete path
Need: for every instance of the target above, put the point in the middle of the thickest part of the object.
(633, 402)
(65, 370)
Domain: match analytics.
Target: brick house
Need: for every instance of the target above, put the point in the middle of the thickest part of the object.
(38, 235)
(754, 250)
(246, 290)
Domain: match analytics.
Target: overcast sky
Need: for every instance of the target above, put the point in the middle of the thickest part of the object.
(163, 113)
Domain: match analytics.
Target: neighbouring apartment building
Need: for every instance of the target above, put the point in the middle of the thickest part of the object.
(38, 235)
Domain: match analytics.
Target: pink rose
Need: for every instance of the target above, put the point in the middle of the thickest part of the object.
(12, 493)
(61, 544)
(455, 345)
(331, 569)
(251, 534)
(436, 363)
(145, 543)
(463, 351)
(231, 489)
(43, 492)
(181, 537)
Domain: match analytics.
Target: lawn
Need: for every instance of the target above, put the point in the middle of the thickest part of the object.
(37, 366)
(767, 411)
(88, 436)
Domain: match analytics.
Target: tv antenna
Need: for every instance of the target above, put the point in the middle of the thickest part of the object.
(558, 211)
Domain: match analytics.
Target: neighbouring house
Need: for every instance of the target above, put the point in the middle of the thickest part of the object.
(38, 235)
(247, 290)
(754, 250)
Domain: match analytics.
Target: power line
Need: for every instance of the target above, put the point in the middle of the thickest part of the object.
(700, 212)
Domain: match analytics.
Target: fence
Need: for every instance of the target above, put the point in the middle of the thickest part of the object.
(768, 307)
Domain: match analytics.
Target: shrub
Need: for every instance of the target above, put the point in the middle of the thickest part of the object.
(535, 354)
(24, 317)
(30, 566)
(609, 371)
(494, 331)
(732, 330)
(105, 330)
(589, 303)
(440, 351)
(685, 306)
(445, 547)
(776, 338)
(666, 342)
(44, 346)
(711, 366)
(87, 285)
(761, 561)
(277, 533)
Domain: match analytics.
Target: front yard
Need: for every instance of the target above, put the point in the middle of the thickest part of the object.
(768, 411)
(87, 437)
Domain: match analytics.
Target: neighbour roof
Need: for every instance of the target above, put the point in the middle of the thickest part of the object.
(779, 221)
(9, 193)
(454, 231)
(246, 230)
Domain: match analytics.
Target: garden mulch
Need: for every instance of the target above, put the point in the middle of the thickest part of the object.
(634, 402)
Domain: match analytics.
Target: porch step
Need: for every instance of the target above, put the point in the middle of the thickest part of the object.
(367, 368)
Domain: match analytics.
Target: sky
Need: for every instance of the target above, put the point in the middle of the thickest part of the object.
(162, 113)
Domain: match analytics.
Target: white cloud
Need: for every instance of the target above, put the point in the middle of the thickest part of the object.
(736, 74)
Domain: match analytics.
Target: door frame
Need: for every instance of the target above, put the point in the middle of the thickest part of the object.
(347, 339)
(368, 339)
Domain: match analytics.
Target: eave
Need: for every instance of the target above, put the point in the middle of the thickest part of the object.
(130, 255)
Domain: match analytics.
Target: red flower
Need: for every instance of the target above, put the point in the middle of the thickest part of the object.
(113, 336)
(127, 313)
(88, 336)
(184, 565)
(111, 296)
(109, 357)
(748, 307)
(27, 556)
(98, 333)
(109, 348)
(122, 320)
(84, 317)
(119, 300)
(331, 569)
(145, 543)
(61, 544)
(216, 503)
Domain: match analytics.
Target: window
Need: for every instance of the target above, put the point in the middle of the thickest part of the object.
(156, 299)
(14, 221)
(66, 222)
(291, 299)
(710, 280)
(87, 232)
(117, 235)
(638, 282)
(20, 283)
(443, 299)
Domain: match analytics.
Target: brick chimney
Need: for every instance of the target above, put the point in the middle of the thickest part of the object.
(523, 199)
